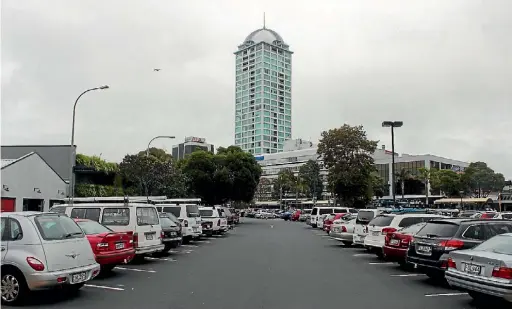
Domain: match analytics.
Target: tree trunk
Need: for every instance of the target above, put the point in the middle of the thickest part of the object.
(403, 189)
(426, 192)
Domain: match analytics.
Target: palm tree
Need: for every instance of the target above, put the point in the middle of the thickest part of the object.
(424, 176)
(402, 176)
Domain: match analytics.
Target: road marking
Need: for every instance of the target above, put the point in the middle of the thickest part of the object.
(103, 287)
(381, 263)
(204, 241)
(136, 269)
(363, 254)
(190, 246)
(445, 294)
(408, 275)
(180, 251)
(160, 259)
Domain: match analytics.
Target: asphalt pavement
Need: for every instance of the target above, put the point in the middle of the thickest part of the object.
(270, 264)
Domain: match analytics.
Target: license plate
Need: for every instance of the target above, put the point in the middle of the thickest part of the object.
(425, 250)
(119, 246)
(394, 242)
(173, 233)
(472, 269)
(149, 236)
(77, 278)
(375, 233)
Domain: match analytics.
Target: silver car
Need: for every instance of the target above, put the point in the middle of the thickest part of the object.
(42, 251)
(484, 271)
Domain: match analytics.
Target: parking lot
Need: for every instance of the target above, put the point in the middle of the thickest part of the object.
(262, 264)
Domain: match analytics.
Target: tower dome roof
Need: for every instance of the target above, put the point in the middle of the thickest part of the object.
(264, 35)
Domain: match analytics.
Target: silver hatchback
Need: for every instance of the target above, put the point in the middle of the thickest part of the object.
(42, 251)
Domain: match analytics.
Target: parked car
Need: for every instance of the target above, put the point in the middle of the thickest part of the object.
(484, 271)
(361, 228)
(296, 215)
(331, 218)
(42, 251)
(305, 215)
(384, 224)
(110, 248)
(343, 231)
(229, 216)
(432, 245)
(235, 214)
(318, 213)
(189, 217)
(397, 243)
(213, 216)
(171, 232)
(287, 215)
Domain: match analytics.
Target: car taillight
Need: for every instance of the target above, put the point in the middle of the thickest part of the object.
(218, 222)
(502, 272)
(35, 264)
(102, 246)
(405, 241)
(135, 240)
(451, 244)
(451, 264)
(162, 235)
(387, 238)
(387, 230)
(343, 228)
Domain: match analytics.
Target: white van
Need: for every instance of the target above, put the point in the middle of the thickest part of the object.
(217, 219)
(140, 219)
(361, 229)
(189, 216)
(318, 213)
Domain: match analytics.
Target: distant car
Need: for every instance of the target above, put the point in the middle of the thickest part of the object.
(110, 248)
(171, 232)
(397, 243)
(305, 215)
(484, 271)
(331, 218)
(286, 215)
(296, 215)
(42, 251)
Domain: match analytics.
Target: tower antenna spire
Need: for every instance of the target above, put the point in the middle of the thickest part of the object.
(264, 20)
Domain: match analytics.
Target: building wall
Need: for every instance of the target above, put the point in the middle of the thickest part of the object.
(32, 172)
(263, 113)
(182, 150)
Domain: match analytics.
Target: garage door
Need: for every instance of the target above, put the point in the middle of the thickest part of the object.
(8, 204)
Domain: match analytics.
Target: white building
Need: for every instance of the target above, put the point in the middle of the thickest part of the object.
(30, 184)
(299, 152)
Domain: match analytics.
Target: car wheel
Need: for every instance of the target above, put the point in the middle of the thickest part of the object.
(14, 287)
(186, 239)
(347, 243)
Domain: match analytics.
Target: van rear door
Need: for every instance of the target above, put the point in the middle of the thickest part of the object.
(148, 226)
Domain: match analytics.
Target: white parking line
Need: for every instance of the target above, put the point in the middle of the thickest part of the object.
(203, 241)
(407, 275)
(363, 254)
(190, 246)
(136, 269)
(445, 294)
(381, 263)
(103, 287)
(160, 259)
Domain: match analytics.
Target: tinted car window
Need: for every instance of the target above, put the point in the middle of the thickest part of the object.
(439, 229)
(354, 211)
(57, 227)
(409, 221)
(176, 211)
(221, 214)
(314, 211)
(324, 211)
(116, 216)
(147, 216)
(93, 227)
(86, 213)
(206, 213)
(192, 211)
(507, 216)
(3, 226)
(15, 230)
(476, 231)
(498, 244)
(499, 228)
(381, 220)
(413, 229)
(340, 211)
(166, 222)
(365, 216)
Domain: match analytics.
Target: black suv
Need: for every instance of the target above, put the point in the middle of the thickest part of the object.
(431, 246)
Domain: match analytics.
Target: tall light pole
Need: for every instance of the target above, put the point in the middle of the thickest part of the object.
(393, 125)
(71, 161)
(147, 153)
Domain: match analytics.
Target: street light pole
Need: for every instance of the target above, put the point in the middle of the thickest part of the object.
(71, 163)
(147, 154)
(393, 125)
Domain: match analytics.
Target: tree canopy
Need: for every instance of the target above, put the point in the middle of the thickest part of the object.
(309, 173)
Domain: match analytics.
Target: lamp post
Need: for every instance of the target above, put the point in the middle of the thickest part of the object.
(147, 153)
(71, 163)
(393, 125)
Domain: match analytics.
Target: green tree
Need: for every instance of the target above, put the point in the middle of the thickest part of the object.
(264, 189)
(378, 187)
(245, 172)
(448, 181)
(310, 175)
(479, 180)
(199, 168)
(402, 176)
(347, 154)
(158, 153)
(424, 177)
(283, 184)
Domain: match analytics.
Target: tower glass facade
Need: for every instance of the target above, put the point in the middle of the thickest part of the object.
(263, 106)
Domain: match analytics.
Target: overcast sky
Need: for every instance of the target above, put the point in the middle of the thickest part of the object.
(443, 67)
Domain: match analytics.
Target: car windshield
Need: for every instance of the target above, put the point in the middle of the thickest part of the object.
(166, 222)
(206, 213)
(175, 210)
(381, 220)
(93, 227)
(439, 229)
(57, 227)
(501, 244)
(192, 211)
(147, 216)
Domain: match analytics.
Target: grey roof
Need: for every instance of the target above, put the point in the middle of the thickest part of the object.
(264, 35)
(57, 156)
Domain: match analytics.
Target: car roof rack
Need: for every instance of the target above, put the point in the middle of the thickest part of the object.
(175, 201)
(113, 199)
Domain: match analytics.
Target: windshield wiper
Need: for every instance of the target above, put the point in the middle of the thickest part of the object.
(72, 234)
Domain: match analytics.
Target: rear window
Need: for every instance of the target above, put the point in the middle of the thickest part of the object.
(116, 216)
(86, 213)
(507, 216)
(354, 211)
(57, 227)
(206, 213)
(365, 216)
(324, 211)
(227, 212)
(499, 244)
(381, 220)
(166, 222)
(314, 211)
(192, 211)
(58, 209)
(93, 227)
(339, 211)
(500, 228)
(147, 216)
(176, 211)
(439, 229)
(221, 214)
(413, 229)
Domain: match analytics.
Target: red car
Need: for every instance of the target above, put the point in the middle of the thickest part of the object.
(110, 248)
(296, 215)
(330, 219)
(397, 243)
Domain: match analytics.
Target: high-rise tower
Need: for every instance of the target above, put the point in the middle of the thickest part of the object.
(263, 108)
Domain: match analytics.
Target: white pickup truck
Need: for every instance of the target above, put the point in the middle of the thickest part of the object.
(213, 221)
